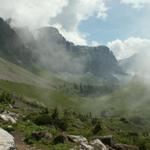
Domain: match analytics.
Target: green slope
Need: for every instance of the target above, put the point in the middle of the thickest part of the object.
(130, 100)
(12, 72)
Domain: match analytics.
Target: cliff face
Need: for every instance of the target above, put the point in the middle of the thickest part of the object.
(99, 61)
(51, 50)
(12, 47)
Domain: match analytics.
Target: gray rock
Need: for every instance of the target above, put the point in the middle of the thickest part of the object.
(9, 117)
(77, 139)
(98, 145)
(6, 141)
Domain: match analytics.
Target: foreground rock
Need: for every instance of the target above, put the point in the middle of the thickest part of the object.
(6, 140)
(98, 145)
(83, 143)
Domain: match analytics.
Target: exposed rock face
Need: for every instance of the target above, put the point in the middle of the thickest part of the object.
(99, 61)
(6, 141)
(12, 47)
(54, 52)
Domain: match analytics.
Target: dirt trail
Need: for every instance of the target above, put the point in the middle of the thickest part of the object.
(20, 145)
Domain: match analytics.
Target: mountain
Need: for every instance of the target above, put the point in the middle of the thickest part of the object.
(50, 51)
(12, 47)
(137, 64)
(99, 61)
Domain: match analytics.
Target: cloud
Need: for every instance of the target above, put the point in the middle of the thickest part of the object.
(128, 47)
(67, 13)
(32, 13)
(136, 3)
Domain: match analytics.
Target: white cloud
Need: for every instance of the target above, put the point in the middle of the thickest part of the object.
(128, 47)
(32, 13)
(67, 13)
(95, 43)
(136, 3)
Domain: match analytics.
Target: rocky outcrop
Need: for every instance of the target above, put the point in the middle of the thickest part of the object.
(6, 140)
(77, 139)
(99, 60)
(84, 144)
(98, 145)
(12, 48)
(9, 117)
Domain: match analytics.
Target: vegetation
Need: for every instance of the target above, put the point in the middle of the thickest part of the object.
(55, 121)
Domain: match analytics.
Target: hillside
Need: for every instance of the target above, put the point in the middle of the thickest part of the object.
(12, 72)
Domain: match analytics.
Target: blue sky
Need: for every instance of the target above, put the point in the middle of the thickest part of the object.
(122, 25)
(122, 22)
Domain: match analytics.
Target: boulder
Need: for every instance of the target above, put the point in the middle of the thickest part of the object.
(107, 140)
(77, 139)
(9, 117)
(98, 145)
(85, 146)
(62, 138)
(125, 147)
(42, 135)
(6, 140)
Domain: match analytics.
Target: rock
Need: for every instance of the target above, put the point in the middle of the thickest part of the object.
(125, 147)
(62, 138)
(85, 146)
(9, 117)
(42, 135)
(77, 139)
(107, 140)
(6, 140)
(98, 145)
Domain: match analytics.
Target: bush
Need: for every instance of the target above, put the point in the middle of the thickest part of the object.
(6, 98)
(43, 119)
(97, 128)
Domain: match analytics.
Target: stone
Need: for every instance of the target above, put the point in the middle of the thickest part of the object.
(77, 139)
(9, 117)
(107, 140)
(6, 141)
(86, 146)
(98, 145)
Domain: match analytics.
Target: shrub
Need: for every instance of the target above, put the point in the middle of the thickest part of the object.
(42, 119)
(6, 98)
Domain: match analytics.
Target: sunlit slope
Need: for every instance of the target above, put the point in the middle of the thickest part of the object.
(12, 72)
(50, 98)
